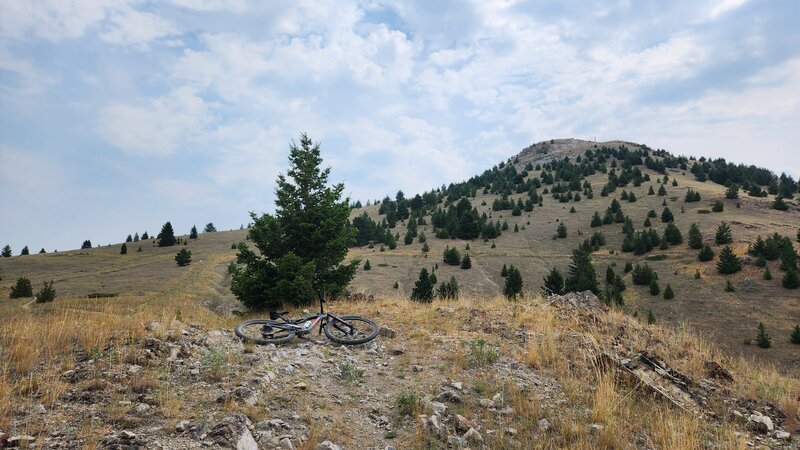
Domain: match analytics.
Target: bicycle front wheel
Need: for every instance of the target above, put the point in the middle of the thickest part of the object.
(263, 332)
(351, 330)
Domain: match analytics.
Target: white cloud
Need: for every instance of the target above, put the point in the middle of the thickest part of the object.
(53, 20)
(136, 28)
(167, 124)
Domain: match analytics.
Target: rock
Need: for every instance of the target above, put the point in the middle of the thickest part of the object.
(473, 436)
(127, 440)
(328, 445)
(459, 386)
(152, 326)
(714, 370)
(233, 432)
(128, 435)
(511, 431)
(439, 408)
(445, 309)
(134, 369)
(584, 300)
(277, 424)
(39, 409)
(783, 435)
(245, 395)
(286, 444)
(761, 423)
(386, 332)
(486, 403)
(498, 398)
(507, 411)
(464, 424)
(595, 428)
(20, 440)
(182, 426)
(302, 386)
(431, 424)
(142, 408)
(544, 425)
(449, 395)
(456, 442)
(416, 368)
(398, 351)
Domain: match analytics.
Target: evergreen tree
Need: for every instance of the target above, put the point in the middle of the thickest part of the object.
(145, 236)
(661, 191)
(367, 265)
(668, 294)
(706, 254)
(129, 238)
(423, 288)
(451, 256)
(596, 221)
(767, 274)
(391, 242)
(303, 245)
(47, 294)
(41, 252)
(695, 237)
(582, 275)
(729, 286)
(791, 279)
(466, 262)
(628, 266)
(666, 215)
(136, 237)
(553, 283)
(718, 206)
(788, 256)
(210, 228)
(610, 274)
(124, 249)
(513, 286)
(672, 234)
(647, 223)
(504, 271)
(139, 250)
(25, 251)
(643, 275)
(421, 237)
(425, 248)
(167, 236)
(561, 230)
(183, 257)
(732, 192)
(193, 232)
(448, 290)
(723, 235)
(654, 288)
(779, 204)
(728, 261)
(651, 318)
(651, 191)
(795, 337)
(6, 253)
(22, 288)
(86, 244)
(763, 339)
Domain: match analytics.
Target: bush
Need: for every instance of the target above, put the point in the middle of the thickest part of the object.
(791, 279)
(643, 275)
(367, 266)
(102, 295)
(22, 289)
(762, 338)
(47, 294)
(729, 286)
(480, 354)
(795, 337)
(183, 257)
(654, 288)
(718, 206)
(451, 256)
(706, 254)
(407, 404)
(668, 294)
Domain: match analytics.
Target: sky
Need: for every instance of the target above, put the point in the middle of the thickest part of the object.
(118, 115)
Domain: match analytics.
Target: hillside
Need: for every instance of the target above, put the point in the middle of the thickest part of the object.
(153, 362)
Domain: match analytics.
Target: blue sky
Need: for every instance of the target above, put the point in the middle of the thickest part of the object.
(117, 115)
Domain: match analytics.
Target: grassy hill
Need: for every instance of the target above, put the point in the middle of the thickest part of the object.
(155, 355)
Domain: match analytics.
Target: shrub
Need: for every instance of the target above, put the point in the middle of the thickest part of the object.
(706, 254)
(47, 294)
(407, 404)
(643, 275)
(654, 288)
(651, 319)
(668, 294)
(480, 354)
(795, 336)
(367, 265)
(451, 256)
(183, 257)
(466, 262)
(718, 206)
(102, 295)
(22, 288)
(791, 279)
(767, 274)
(729, 286)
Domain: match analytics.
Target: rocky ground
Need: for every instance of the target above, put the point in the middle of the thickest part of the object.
(461, 375)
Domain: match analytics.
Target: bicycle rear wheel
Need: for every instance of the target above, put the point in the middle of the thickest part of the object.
(351, 330)
(263, 332)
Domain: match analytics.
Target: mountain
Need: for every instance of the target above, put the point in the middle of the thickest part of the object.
(138, 352)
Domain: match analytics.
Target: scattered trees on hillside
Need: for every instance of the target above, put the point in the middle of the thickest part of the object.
(302, 246)
(692, 196)
(643, 275)
(183, 257)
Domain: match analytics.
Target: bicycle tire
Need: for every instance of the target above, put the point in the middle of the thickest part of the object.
(263, 340)
(374, 329)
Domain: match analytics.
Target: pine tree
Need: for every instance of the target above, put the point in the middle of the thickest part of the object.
(41, 252)
(610, 274)
(145, 236)
(425, 248)
(728, 261)
(303, 245)
(779, 204)
(423, 288)
(668, 294)
(25, 251)
(651, 191)
(561, 230)
(732, 192)
(21, 289)
(139, 250)
(718, 206)
(762, 338)
(193, 232)
(729, 286)
(504, 271)
(706, 254)
(672, 234)
(654, 288)
(795, 337)
(553, 283)
(466, 262)
(6, 253)
(723, 235)
(788, 256)
(451, 256)
(596, 221)
(767, 274)
(167, 236)
(210, 228)
(666, 215)
(129, 238)
(695, 238)
(136, 237)
(661, 191)
(582, 275)
(367, 265)
(791, 279)
(183, 257)
(86, 244)
(651, 319)
(47, 294)
(647, 223)
(513, 286)
(124, 249)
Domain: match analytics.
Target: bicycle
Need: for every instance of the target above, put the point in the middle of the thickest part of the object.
(278, 329)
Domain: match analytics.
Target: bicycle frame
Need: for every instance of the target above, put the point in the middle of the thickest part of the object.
(321, 318)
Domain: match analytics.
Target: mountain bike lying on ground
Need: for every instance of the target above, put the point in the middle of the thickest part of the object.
(279, 329)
